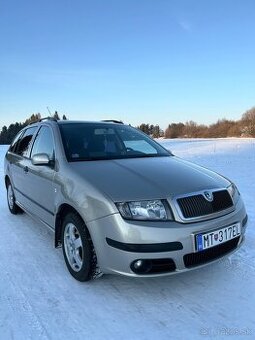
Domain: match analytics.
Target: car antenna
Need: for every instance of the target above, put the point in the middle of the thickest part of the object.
(47, 107)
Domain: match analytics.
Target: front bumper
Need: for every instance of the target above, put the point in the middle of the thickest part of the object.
(118, 242)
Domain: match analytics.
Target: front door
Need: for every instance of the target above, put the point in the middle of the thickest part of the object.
(40, 188)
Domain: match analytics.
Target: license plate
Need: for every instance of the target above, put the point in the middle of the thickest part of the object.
(216, 237)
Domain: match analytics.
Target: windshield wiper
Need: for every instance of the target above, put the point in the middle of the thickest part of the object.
(117, 157)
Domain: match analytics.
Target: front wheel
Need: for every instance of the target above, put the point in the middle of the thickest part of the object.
(13, 207)
(78, 250)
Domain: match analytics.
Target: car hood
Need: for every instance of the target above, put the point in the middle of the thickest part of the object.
(147, 178)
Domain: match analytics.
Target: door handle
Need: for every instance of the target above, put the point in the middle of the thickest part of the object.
(25, 169)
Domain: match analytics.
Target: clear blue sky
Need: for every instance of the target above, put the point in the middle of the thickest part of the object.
(156, 61)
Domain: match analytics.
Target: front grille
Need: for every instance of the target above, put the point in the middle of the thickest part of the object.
(198, 205)
(196, 259)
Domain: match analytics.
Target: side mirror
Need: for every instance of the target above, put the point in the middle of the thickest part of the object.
(41, 159)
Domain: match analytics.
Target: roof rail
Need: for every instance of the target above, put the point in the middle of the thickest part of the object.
(112, 121)
(42, 119)
(47, 118)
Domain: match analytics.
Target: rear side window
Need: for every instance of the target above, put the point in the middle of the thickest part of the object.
(16, 141)
(44, 143)
(24, 142)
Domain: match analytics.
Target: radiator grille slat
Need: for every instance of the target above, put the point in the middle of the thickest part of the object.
(197, 205)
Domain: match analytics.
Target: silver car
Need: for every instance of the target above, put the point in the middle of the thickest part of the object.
(118, 202)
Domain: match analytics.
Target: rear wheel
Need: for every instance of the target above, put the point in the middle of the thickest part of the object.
(78, 248)
(13, 207)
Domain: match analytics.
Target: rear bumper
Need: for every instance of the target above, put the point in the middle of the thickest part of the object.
(119, 243)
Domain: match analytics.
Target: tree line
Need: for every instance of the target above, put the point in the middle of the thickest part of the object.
(244, 127)
(8, 133)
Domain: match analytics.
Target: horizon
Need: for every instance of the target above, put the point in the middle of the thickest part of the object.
(51, 115)
(140, 62)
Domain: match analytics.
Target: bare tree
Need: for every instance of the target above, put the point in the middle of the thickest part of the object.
(248, 123)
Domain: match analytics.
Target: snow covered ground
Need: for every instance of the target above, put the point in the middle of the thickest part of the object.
(40, 300)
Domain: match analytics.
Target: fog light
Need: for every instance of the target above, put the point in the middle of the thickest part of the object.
(141, 266)
(138, 264)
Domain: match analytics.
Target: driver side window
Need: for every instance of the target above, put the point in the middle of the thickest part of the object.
(44, 143)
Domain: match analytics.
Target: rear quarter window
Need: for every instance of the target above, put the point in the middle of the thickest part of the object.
(16, 141)
(24, 143)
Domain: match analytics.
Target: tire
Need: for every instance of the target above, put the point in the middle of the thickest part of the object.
(78, 249)
(13, 207)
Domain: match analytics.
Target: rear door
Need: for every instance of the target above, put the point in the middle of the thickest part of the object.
(18, 156)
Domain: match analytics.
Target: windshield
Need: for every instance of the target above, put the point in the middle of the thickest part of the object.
(91, 141)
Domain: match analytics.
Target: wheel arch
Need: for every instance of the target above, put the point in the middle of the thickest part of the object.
(63, 210)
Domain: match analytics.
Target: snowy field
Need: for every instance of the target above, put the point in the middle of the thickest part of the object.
(40, 300)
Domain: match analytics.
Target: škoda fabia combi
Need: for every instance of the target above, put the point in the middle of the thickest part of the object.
(118, 202)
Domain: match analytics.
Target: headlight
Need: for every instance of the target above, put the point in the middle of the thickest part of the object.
(145, 210)
(233, 191)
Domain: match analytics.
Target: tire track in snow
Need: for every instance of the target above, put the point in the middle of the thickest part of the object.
(18, 304)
